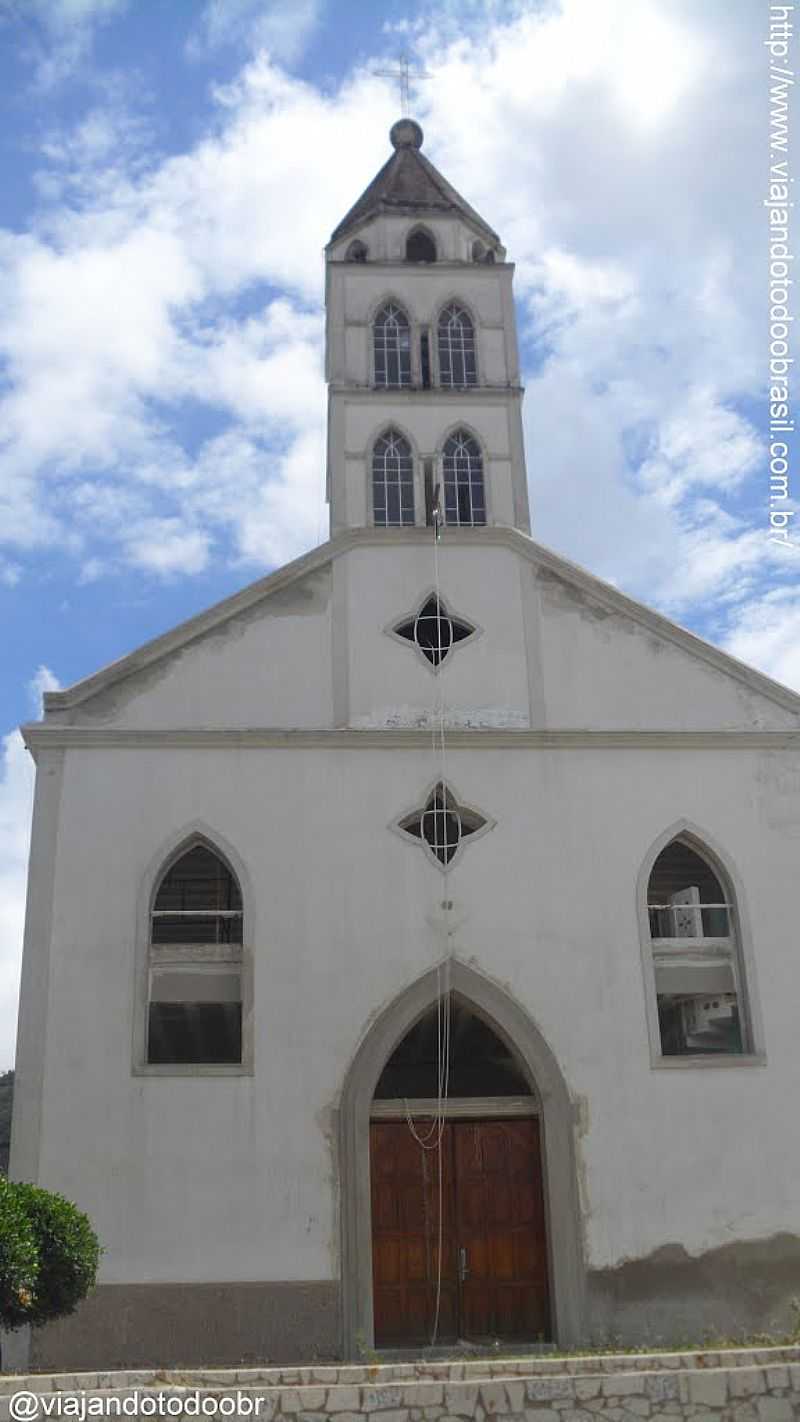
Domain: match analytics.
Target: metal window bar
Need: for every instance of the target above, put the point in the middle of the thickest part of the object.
(442, 823)
(456, 336)
(462, 465)
(392, 346)
(392, 482)
(715, 919)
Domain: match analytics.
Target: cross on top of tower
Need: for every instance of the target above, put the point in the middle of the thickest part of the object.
(402, 74)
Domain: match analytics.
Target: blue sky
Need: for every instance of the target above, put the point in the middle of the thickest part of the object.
(171, 174)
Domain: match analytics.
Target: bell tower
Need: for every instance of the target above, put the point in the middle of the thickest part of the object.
(424, 394)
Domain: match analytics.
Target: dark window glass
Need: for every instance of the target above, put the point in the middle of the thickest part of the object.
(392, 481)
(479, 1063)
(203, 1033)
(356, 252)
(462, 468)
(425, 360)
(442, 823)
(198, 901)
(698, 1024)
(420, 248)
(434, 630)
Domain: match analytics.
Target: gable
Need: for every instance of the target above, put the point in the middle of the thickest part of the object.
(609, 663)
(571, 652)
(266, 663)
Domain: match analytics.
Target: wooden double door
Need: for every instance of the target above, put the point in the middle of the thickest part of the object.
(494, 1257)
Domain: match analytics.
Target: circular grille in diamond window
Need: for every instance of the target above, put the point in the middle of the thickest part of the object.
(434, 630)
(442, 824)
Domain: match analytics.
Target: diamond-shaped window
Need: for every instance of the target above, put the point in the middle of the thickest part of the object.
(442, 825)
(434, 630)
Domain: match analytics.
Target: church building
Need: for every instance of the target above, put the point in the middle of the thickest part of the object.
(411, 946)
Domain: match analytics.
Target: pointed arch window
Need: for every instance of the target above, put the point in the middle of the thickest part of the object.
(391, 338)
(462, 471)
(392, 481)
(697, 963)
(456, 336)
(195, 963)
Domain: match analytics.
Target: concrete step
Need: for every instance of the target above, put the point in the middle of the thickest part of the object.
(736, 1385)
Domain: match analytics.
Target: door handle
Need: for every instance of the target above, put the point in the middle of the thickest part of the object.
(463, 1266)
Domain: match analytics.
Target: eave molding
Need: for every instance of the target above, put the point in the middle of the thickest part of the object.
(39, 737)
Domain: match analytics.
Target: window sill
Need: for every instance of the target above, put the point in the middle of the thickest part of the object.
(190, 1069)
(704, 1061)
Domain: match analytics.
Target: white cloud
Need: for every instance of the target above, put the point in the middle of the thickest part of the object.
(16, 801)
(194, 283)
(766, 634)
(59, 32)
(282, 27)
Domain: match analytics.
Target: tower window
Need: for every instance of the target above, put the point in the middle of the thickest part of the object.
(356, 252)
(420, 247)
(456, 347)
(195, 968)
(462, 469)
(392, 481)
(392, 345)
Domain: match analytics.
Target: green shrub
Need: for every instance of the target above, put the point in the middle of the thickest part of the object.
(19, 1259)
(68, 1252)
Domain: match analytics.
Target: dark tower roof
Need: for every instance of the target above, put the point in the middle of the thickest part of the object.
(408, 183)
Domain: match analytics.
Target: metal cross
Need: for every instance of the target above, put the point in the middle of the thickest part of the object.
(402, 75)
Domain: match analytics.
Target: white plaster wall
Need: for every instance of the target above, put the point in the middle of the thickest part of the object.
(357, 291)
(606, 671)
(483, 682)
(270, 666)
(192, 1179)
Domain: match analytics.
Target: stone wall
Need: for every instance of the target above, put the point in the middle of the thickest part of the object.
(752, 1385)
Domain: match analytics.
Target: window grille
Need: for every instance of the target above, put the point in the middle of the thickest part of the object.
(456, 347)
(442, 824)
(392, 345)
(434, 630)
(392, 481)
(462, 468)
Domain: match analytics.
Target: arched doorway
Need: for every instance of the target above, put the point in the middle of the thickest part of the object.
(528, 1133)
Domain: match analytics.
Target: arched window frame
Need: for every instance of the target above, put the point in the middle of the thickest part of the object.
(455, 301)
(162, 861)
(357, 251)
(421, 229)
(378, 435)
(702, 844)
(467, 431)
(406, 369)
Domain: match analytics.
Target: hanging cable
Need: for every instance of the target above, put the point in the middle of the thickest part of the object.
(432, 1139)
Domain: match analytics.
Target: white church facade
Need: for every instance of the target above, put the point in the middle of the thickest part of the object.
(411, 944)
